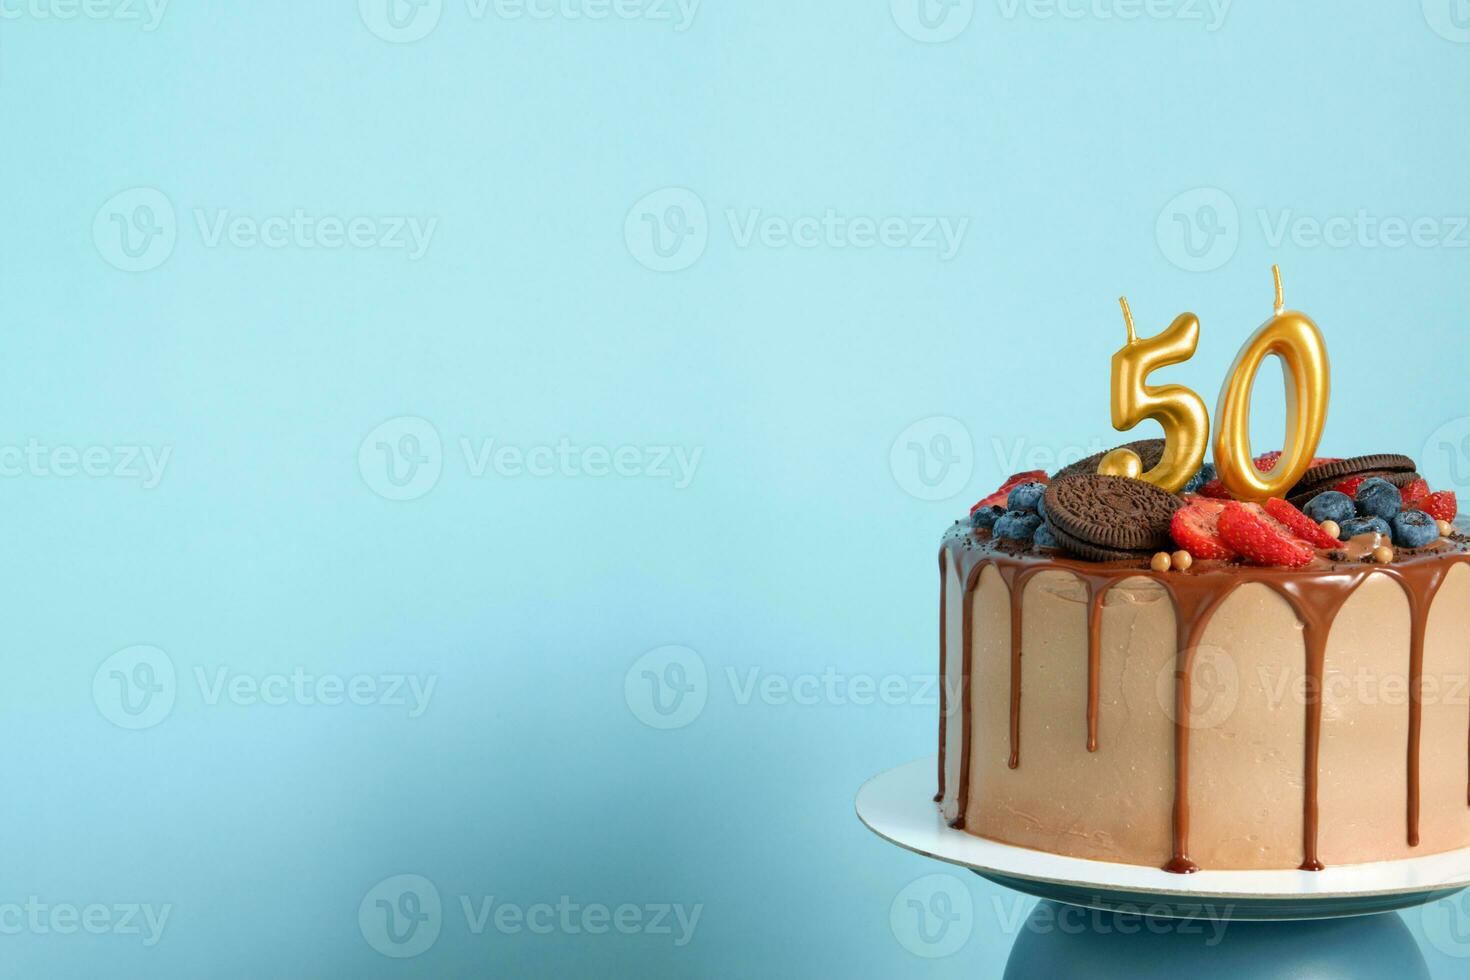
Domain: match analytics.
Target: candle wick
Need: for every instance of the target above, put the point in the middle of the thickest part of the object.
(1128, 319)
(1280, 303)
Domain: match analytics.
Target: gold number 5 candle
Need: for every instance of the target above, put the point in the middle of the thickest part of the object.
(1295, 340)
(1179, 410)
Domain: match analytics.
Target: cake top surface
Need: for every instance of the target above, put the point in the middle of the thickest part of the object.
(1343, 513)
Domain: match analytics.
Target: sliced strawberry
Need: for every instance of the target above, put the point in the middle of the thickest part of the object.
(1350, 485)
(1414, 493)
(1195, 529)
(1215, 490)
(1300, 524)
(1257, 539)
(1441, 506)
(1265, 461)
(998, 499)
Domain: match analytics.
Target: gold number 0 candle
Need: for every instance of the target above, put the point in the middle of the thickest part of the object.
(1295, 340)
(1179, 410)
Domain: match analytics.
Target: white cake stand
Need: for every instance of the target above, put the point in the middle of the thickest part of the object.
(899, 807)
(1280, 924)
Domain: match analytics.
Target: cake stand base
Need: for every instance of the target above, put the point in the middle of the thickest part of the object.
(1069, 941)
(1098, 919)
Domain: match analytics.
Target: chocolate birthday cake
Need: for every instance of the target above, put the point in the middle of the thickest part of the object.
(1200, 676)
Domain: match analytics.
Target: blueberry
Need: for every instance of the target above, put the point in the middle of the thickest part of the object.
(1365, 525)
(1205, 475)
(1026, 496)
(1041, 507)
(1017, 525)
(985, 517)
(1331, 506)
(1414, 529)
(1379, 498)
(1044, 538)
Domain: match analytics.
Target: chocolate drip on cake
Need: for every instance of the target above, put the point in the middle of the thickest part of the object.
(1316, 595)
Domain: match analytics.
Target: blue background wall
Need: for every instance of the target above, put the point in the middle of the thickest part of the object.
(208, 708)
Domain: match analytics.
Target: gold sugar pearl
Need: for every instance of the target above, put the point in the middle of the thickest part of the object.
(1182, 560)
(1445, 528)
(1161, 562)
(1383, 554)
(1332, 529)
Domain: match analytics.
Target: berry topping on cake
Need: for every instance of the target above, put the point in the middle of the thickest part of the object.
(1365, 525)
(1299, 524)
(1414, 529)
(1379, 498)
(1441, 506)
(1025, 496)
(1195, 528)
(1334, 505)
(1206, 474)
(999, 498)
(1415, 493)
(1261, 541)
(1017, 525)
(985, 517)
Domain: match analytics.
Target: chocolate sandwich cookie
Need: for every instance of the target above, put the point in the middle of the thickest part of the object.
(1325, 476)
(1111, 512)
(1300, 498)
(1089, 552)
(1148, 450)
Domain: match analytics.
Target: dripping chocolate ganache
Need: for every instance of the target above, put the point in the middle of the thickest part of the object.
(1203, 683)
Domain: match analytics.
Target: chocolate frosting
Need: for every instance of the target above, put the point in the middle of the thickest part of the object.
(1316, 593)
